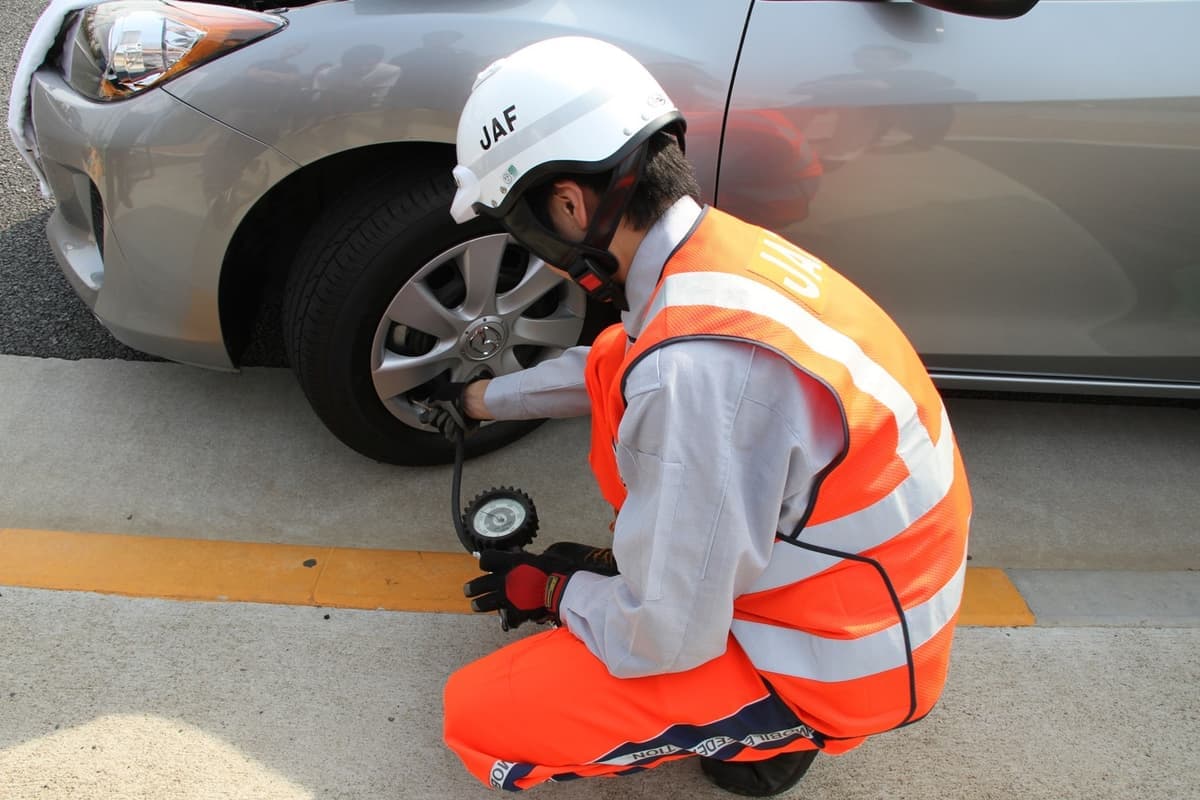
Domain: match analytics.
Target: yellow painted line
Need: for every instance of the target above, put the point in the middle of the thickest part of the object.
(991, 599)
(176, 569)
(397, 580)
(198, 569)
(290, 574)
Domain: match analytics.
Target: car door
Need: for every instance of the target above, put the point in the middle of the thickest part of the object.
(1023, 195)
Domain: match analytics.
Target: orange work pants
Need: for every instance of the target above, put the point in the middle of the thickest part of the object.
(544, 708)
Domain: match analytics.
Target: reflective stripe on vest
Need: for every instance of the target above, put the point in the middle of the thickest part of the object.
(930, 466)
(804, 655)
(874, 525)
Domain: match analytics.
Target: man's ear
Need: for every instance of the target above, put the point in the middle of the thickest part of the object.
(568, 208)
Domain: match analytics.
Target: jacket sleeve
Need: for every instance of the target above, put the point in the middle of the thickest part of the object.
(554, 388)
(714, 446)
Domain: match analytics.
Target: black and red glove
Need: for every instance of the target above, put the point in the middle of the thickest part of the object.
(586, 557)
(443, 409)
(522, 586)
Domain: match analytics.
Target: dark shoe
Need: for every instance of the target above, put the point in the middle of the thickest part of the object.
(759, 778)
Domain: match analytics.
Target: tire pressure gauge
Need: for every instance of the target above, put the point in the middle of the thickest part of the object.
(502, 518)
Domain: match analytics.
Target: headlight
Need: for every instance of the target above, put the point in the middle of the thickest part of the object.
(120, 48)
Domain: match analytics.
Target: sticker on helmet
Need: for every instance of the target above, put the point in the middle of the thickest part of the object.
(497, 131)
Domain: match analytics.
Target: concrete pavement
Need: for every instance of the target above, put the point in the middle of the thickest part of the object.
(110, 697)
(166, 449)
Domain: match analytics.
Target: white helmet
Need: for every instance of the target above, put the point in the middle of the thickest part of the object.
(564, 105)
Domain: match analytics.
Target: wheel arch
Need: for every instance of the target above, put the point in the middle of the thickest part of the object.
(264, 247)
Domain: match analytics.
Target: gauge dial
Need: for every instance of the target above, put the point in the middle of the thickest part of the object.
(501, 518)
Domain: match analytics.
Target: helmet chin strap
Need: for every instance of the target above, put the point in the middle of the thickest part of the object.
(595, 268)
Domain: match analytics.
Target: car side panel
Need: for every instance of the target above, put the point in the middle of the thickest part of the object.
(171, 185)
(1021, 195)
(354, 74)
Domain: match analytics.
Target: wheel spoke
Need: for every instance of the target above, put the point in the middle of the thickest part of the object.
(398, 374)
(481, 269)
(537, 281)
(557, 331)
(417, 307)
(509, 363)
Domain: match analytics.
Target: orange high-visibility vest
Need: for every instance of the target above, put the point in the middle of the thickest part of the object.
(852, 620)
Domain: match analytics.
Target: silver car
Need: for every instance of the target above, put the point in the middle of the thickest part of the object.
(1021, 194)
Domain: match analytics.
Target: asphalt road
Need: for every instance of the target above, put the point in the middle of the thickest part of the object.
(39, 313)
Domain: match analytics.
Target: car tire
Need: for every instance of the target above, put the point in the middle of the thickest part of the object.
(388, 249)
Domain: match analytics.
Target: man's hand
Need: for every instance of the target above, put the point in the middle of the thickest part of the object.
(445, 410)
(472, 399)
(522, 586)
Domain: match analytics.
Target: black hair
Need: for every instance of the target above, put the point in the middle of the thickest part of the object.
(667, 176)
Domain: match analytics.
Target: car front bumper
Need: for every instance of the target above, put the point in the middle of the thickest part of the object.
(149, 194)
